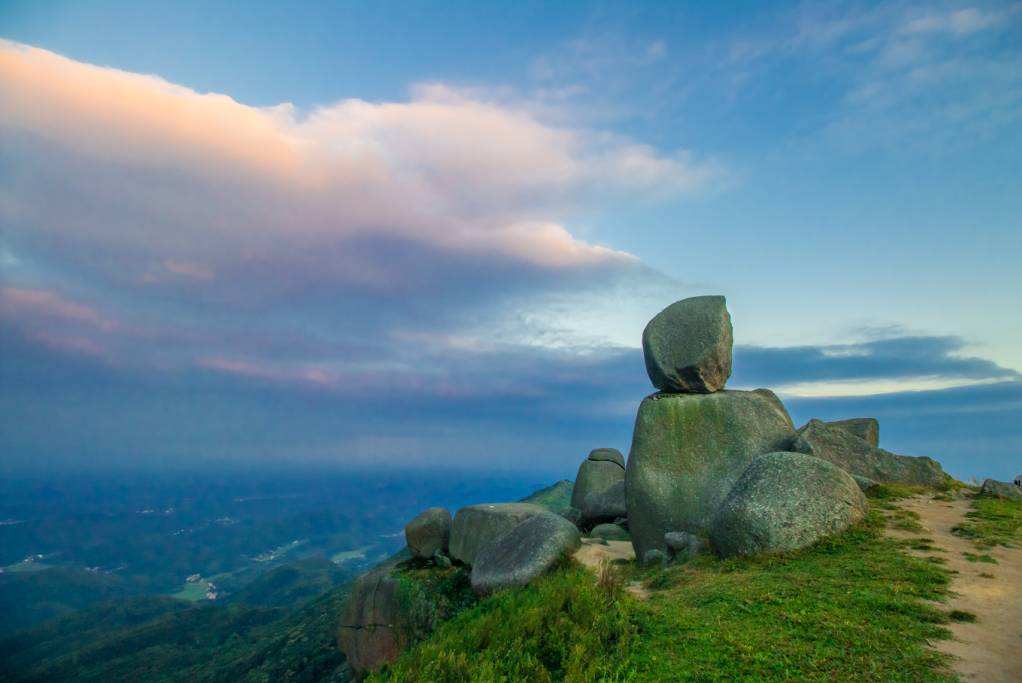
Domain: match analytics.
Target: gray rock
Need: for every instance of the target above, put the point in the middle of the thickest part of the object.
(857, 456)
(1018, 481)
(654, 556)
(865, 483)
(523, 553)
(687, 346)
(610, 532)
(429, 532)
(687, 452)
(682, 545)
(1001, 489)
(604, 506)
(596, 476)
(573, 515)
(786, 501)
(607, 455)
(476, 525)
(778, 404)
(866, 428)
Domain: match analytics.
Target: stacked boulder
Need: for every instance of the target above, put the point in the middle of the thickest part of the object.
(599, 493)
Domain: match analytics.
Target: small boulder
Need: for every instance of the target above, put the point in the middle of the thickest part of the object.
(604, 506)
(654, 556)
(682, 545)
(523, 553)
(856, 456)
(601, 470)
(786, 501)
(476, 525)
(610, 532)
(866, 428)
(687, 452)
(1001, 489)
(687, 346)
(429, 532)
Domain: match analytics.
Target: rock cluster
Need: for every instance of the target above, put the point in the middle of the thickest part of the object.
(1002, 489)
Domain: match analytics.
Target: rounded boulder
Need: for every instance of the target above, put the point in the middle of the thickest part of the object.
(476, 525)
(429, 532)
(687, 346)
(524, 553)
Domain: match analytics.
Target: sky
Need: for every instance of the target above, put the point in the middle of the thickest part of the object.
(413, 234)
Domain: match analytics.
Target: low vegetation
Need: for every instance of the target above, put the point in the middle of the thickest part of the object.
(992, 522)
(854, 607)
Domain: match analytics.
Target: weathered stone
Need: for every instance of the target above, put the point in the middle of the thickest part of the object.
(1001, 489)
(523, 553)
(610, 532)
(654, 556)
(476, 525)
(682, 545)
(595, 476)
(687, 346)
(786, 501)
(604, 506)
(778, 404)
(857, 456)
(573, 515)
(687, 452)
(607, 455)
(866, 428)
(429, 532)
(865, 483)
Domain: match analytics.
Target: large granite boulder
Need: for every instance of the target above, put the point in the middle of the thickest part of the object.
(687, 452)
(476, 525)
(429, 532)
(604, 468)
(866, 428)
(522, 554)
(1001, 489)
(604, 506)
(775, 399)
(786, 501)
(687, 346)
(856, 456)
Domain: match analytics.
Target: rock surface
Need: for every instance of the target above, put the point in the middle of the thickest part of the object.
(785, 501)
(610, 532)
(607, 455)
(687, 346)
(865, 483)
(600, 471)
(604, 506)
(687, 452)
(682, 545)
(1001, 489)
(476, 525)
(857, 456)
(523, 553)
(866, 428)
(778, 404)
(429, 532)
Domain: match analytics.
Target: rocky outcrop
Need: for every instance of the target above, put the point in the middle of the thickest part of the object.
(866, 428)
(604, 506)
(604, 468)
(524, 553)
(429, 532)
(687, 346)
(687, 452)
(476, 525)
(856, 456)
(786, 501)
(1001, 489)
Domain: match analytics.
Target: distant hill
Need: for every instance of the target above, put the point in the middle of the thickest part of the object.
(556, 497)
(30, 597)
(291, 584)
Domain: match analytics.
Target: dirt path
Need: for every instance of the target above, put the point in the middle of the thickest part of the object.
(592, 555)
(990, 649)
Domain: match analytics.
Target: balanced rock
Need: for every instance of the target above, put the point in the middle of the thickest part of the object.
(1001, 489)
(785, 501)
(429, 532)
(522, 554)
(604, 506)
(687, 346)
(476, 525)
(866, 428)
(857, 456)
(604, 468)
(688, 450)
(610, 532)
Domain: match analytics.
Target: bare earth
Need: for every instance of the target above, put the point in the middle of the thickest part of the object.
(592, 555)
(991, 648)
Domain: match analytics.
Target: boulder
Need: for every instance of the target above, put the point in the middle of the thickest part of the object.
(476, 525)
(687, 452)
(429, 532)
(601, 470)
(604, 506)
(682, 545)
(654, 556)
(866, 428)
(785, 501)
(687, 346)
(607, 455)
(522, 554)
(865, 483)
(767, 393)
(1001, 489)
(855, 455)
(610, 532)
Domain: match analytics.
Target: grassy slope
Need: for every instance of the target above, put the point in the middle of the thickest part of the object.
(851, 608)
(992, 521)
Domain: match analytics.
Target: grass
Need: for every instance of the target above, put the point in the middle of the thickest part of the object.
(992, 522)
(850, 608)
(973, 557)
(961, 616)
(986, 575)
(906, 520)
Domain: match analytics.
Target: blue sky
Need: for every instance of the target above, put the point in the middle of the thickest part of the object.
(379, 233)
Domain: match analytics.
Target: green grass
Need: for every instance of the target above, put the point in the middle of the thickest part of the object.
(961, 615)
(906, 520)
(973, 557)
(992, 522)
(193, 592)
(850, 608)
